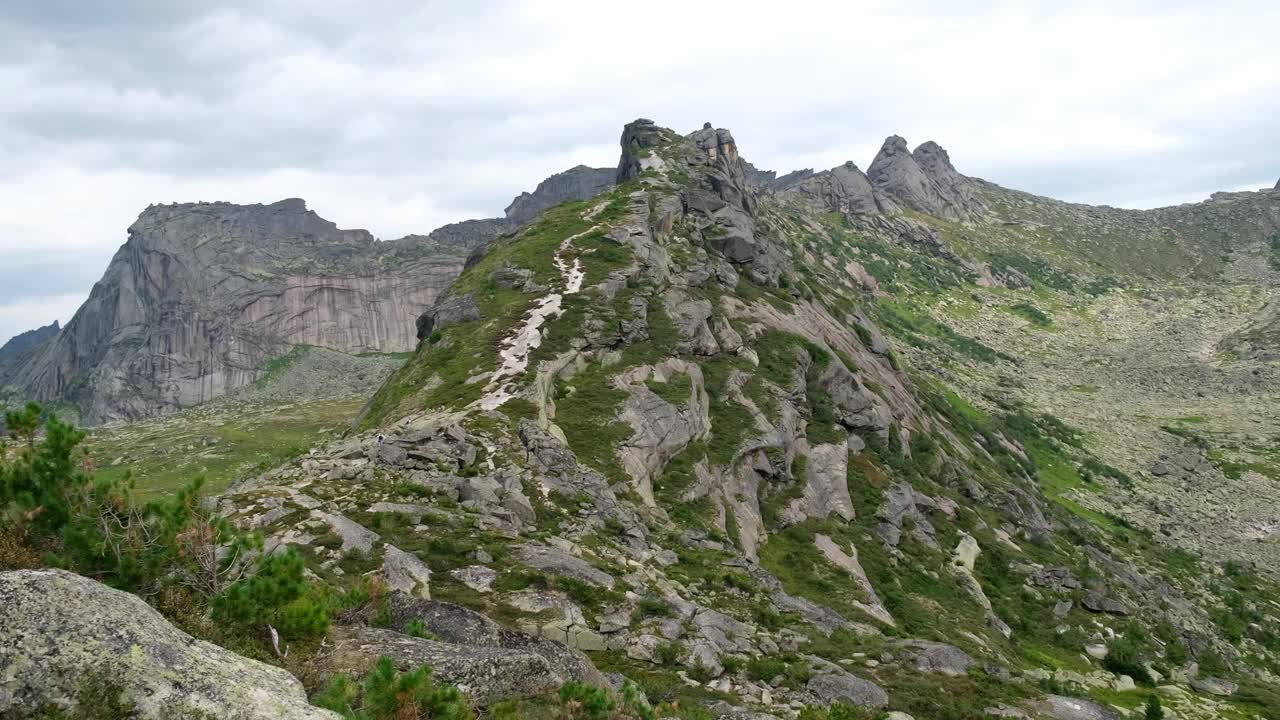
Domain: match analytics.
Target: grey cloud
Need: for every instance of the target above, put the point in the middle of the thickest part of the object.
(40, 278)
(438, 98)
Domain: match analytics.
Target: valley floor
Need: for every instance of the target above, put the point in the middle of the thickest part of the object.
(1142, 374)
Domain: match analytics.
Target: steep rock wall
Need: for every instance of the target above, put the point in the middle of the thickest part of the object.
(202, 295)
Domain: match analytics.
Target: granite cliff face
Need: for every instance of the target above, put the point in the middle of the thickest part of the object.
(202, 295)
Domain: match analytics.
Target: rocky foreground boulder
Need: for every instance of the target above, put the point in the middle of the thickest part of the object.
(487, 661)
(59, 631)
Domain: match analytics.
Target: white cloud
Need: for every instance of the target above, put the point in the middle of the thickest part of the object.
(34, 312)
(400, 116)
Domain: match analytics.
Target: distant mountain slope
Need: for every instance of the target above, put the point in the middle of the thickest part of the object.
(18, 349)
(576, 183)
(203, 294)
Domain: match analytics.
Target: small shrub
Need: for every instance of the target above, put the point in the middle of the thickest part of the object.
(794, 671)
(275, 595)
(1124, 657)
(580, 700)
(652, 607)
(388, 694)
(700, 672)
(1153, 710)
(634, 701)
(1033, 314)
(668, 654)
(416, 628)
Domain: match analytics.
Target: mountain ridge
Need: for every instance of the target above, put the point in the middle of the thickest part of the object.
(796, 430)
(768, 447)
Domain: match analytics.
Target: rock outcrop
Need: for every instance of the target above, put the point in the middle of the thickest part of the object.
(721, 204)
(577, 183)
(485, 660)
(1058, 707)
(844, 188)
(60, 631)
(959, 191)
(923, 181)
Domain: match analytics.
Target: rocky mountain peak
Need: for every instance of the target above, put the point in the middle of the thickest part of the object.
(1277, 187)
(202, 295)
(933, 158)
(279, 229)
(924, 181)
(573, 184)
(843, 188)
(717, 143)
(959, 190)
(639, 138)
(893, 145)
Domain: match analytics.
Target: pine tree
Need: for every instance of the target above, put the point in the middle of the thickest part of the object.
(1153, 709)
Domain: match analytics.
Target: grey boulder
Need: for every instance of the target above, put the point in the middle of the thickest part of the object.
(558, 562)
(1058, 707)
(57, 629)
(1214, 686)
(450, 310)
(842, 687)
(487, 661)
(940, 658)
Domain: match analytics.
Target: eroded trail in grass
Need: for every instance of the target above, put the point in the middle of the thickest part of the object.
(516, 348)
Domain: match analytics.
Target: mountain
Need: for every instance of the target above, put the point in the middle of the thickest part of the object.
(203, 295)
(576, 183)
(18, 349)
(903, 439)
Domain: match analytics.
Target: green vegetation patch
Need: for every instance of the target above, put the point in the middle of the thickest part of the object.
(1033, 314)
(164, 454)
(922, 331)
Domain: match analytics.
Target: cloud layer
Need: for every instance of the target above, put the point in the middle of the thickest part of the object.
(400, 116)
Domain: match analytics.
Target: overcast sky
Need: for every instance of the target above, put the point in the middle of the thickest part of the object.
(401, 116)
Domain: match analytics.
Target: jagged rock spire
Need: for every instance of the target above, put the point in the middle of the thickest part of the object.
(924, 181)
(958, 190)
(899, 181)
(639, 137)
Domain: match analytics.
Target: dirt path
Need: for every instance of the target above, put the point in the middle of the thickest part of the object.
(516, 348)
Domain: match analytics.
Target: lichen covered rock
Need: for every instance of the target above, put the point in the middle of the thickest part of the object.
(57, 630)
